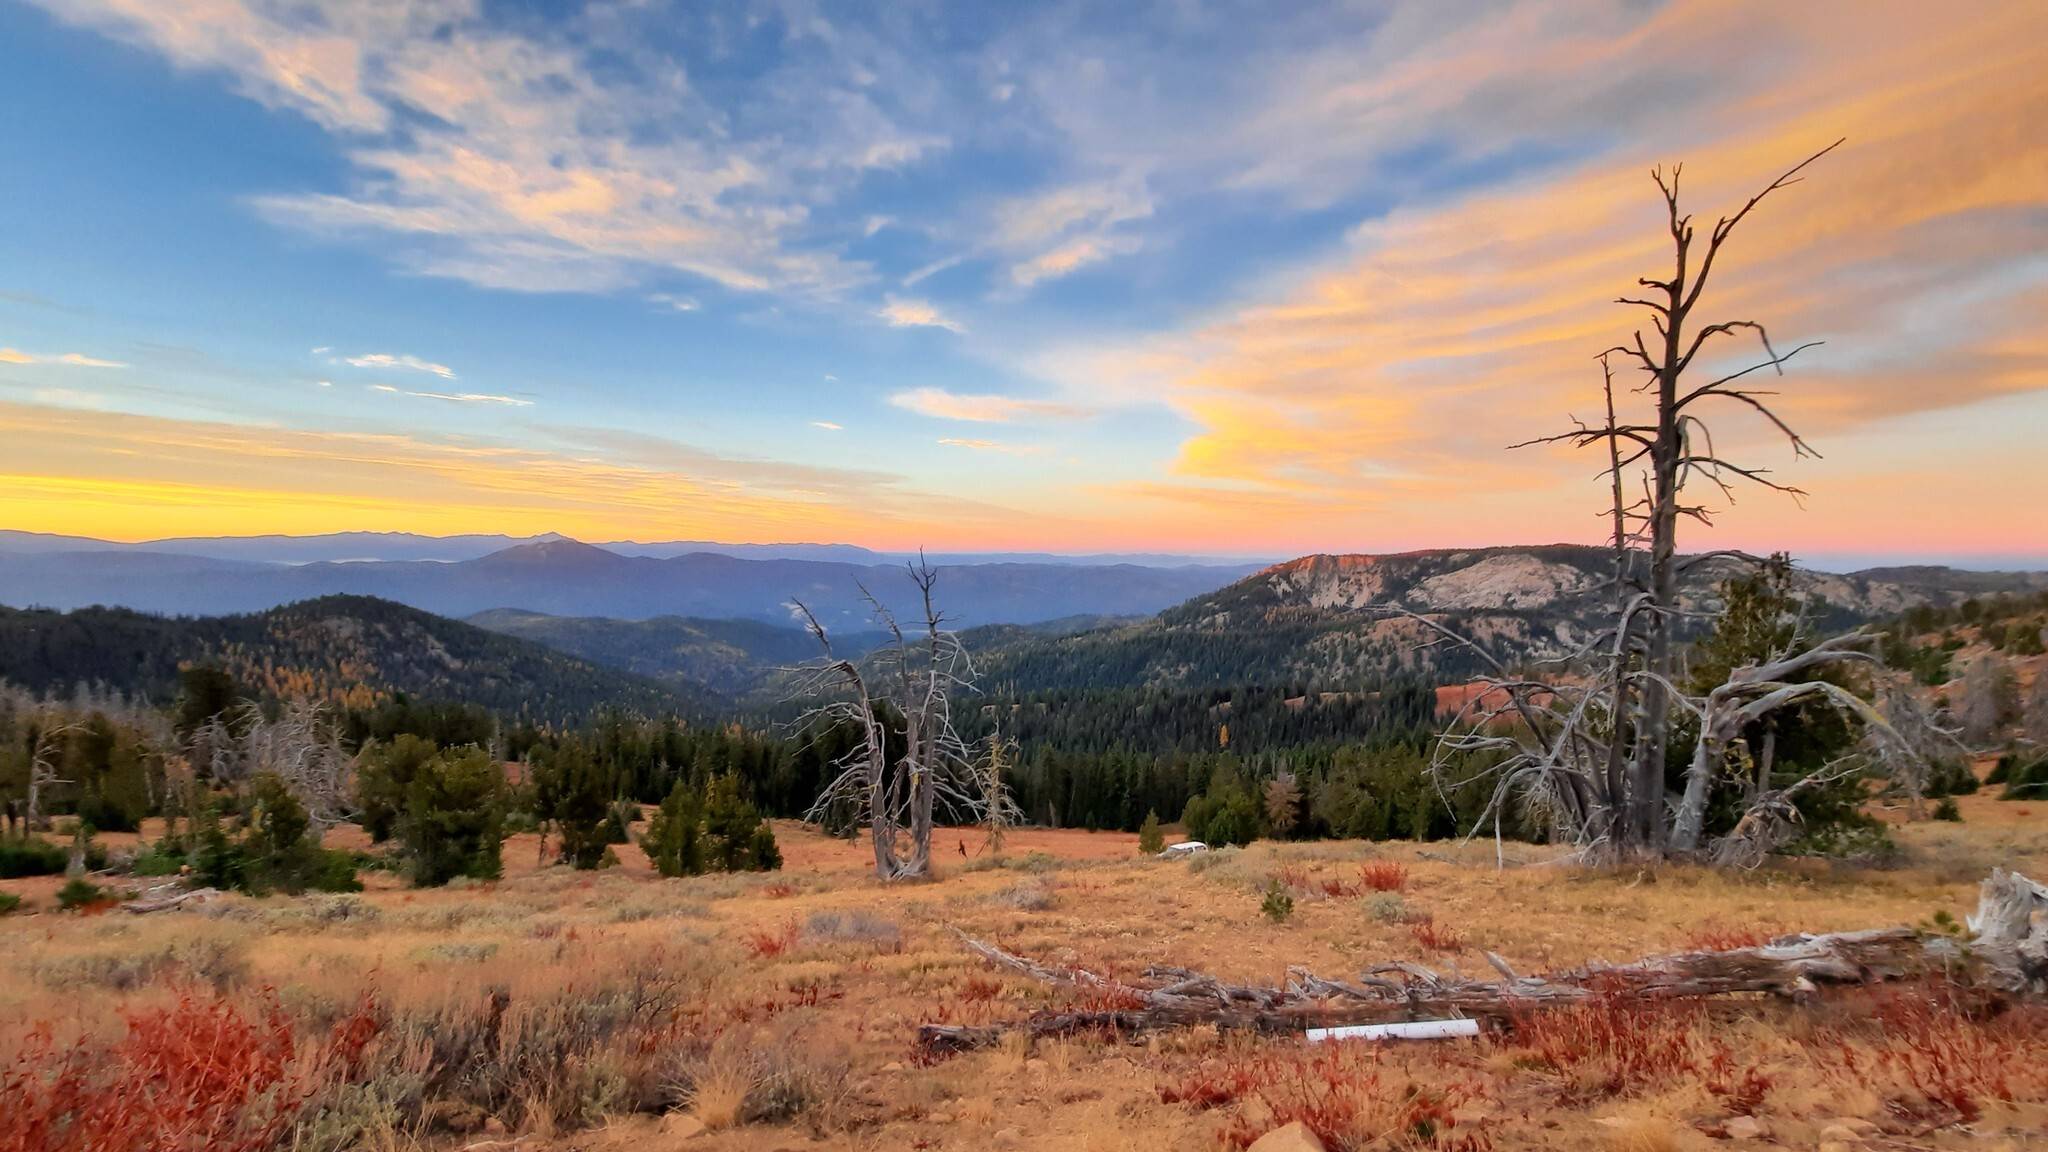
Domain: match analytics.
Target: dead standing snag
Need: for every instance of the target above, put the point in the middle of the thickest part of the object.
(898, 797)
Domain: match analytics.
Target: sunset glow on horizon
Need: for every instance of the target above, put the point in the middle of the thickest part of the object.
(1196, 279)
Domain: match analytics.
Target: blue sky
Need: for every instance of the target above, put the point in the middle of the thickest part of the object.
(1229, 278)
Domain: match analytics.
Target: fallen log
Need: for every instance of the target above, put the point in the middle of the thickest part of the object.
(2006, 952)
(168, 896)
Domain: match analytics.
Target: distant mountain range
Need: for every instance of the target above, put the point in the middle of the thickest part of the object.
(566, 578)
(600, 628)
(350, 650)
(347, 547)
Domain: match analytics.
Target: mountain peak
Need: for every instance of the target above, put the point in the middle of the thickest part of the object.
(552, 551)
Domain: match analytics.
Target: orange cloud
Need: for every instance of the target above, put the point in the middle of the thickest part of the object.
(1395, 375)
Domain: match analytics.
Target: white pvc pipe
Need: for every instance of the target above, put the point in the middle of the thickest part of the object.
(1405, 1030)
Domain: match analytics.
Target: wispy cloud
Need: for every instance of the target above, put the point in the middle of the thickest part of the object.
(68, 359)
(985, 408)
(998, 446)
(456, 397)
(410, 363)
(570, 156)
(1054, 233)
(674, 302)
(903, 312)
(69, 398)
(828, 425)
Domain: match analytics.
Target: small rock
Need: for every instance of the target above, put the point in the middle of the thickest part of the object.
(1837, 1146)
(1295, 1137)
(940, 1117)
(1839, 1133)
(1008, 1137)
(494, 1126)
(681, 1126)
(1860, 1126)
(1745, 1128)
(893, 1066)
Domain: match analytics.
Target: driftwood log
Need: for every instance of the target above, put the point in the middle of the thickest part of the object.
(2005, 950)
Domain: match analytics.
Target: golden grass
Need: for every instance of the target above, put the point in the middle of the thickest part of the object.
(814, 1044)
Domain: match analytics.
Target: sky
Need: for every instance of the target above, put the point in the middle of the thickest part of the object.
(1257, 279)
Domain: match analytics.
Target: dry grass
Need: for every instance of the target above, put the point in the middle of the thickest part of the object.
(579, 1009)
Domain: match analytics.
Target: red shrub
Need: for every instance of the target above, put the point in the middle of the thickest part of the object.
(1383, 875)
(1337, 1090)
(1293, 876)
(1612, 1044)
(1717, 937)
(199, 1075)
(779, 891)
(1936, 1060)
(1436, 937)
(1740, 1088)
(980, 988)
(769, 943)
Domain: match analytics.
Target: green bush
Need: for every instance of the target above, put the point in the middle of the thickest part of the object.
(1947, 810)
(2025, 782)
(30, 856)
(8, 902)
(1950, 777)
(163, 858)
(1278, 904)
(78, 892)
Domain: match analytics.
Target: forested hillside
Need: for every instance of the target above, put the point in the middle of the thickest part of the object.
(730, 656)
(351, 651)
(1331, 623)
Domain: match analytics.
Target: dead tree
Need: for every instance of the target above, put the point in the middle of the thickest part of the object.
(999, 810)
(1590, 744)
(2005, 953)
(1990, 697)
(46, 744)
(302, 747)
(911, 683)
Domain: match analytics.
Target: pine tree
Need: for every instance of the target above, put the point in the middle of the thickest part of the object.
(1151, 841)
(739, 841)
(454, 820)
(674, 840)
